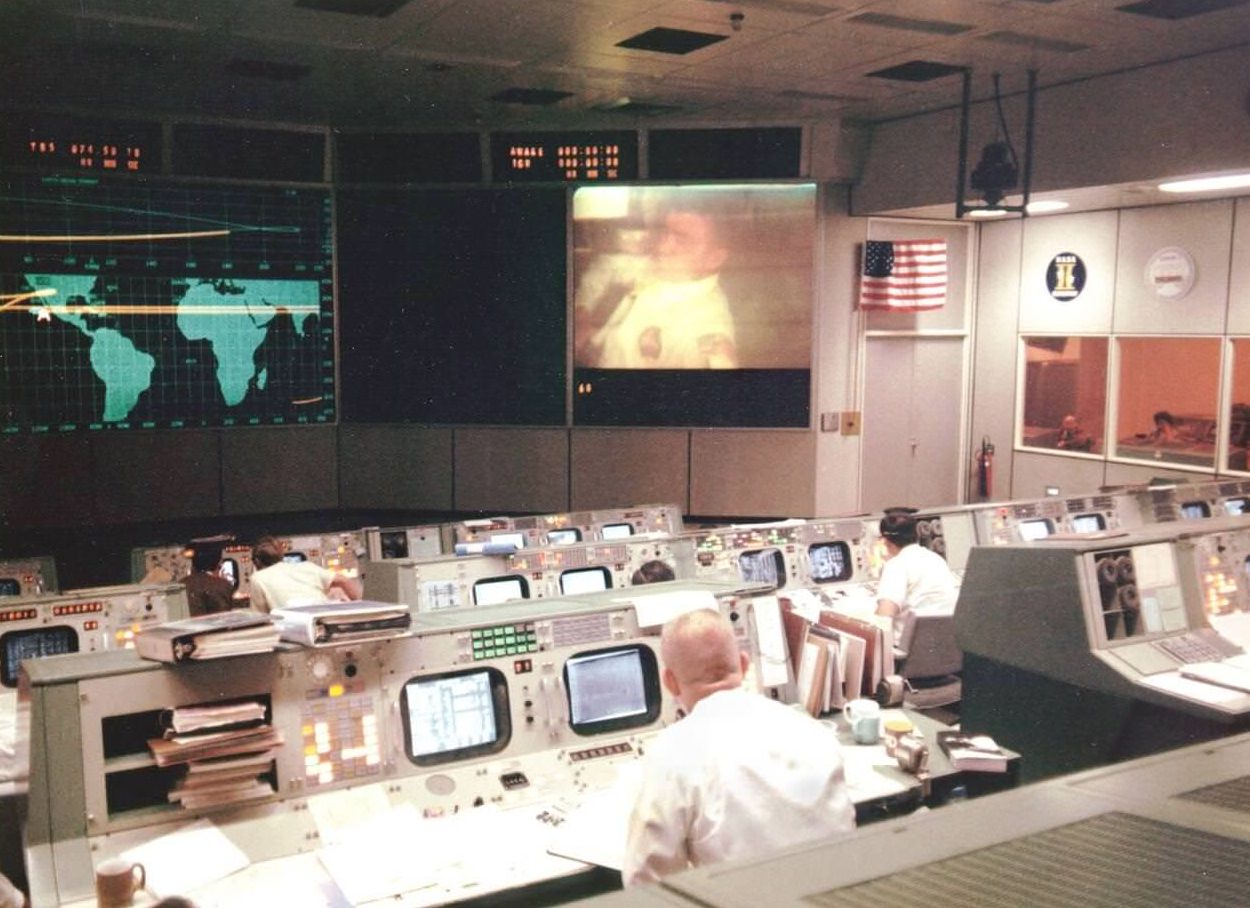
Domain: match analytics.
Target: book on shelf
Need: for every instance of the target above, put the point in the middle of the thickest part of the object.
(185, 748)
(219, 716)
(969, 752)
(334, 622)
(233, 633)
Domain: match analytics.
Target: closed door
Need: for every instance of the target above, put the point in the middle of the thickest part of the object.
(913, 430)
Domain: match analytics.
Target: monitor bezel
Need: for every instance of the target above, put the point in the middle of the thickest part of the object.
(599, 569)
(501, 578)
(500, 704)
(7, 670)
(779, 560)
(652, 691)
(847, 559)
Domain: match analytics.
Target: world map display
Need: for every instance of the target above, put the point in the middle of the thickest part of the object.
(142, 306)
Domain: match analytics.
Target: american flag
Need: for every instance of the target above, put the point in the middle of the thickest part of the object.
(903, 275)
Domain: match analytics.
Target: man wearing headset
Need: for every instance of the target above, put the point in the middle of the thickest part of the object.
(913, 579)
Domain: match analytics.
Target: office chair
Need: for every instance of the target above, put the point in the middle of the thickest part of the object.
(932, 662)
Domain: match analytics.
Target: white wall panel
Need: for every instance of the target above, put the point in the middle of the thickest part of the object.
(1204, 231)
(1092, 237)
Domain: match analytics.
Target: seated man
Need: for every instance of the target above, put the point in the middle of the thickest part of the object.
(913, 579)
(280, 583)
(207, 590)
(738, 776)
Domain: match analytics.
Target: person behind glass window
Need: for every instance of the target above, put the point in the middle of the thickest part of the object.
(1072, 437)
(1166, 427)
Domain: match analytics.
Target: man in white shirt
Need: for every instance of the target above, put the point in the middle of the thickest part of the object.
(740, 775)
(914, 579)
(279, 584)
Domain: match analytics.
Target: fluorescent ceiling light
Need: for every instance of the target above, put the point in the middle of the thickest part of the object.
(986, 213)
(1208, 184)
(1044, 205)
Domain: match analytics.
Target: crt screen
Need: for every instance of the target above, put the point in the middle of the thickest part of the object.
(449, 714)
(499, 589)
(33, 644)
(829, 561)
(1088, 523)
(1193, 510)
(1034, 529)
(294, 557)
(763, 566)
(394, 543)
(606, 686)
(585, 580)
(564, 537)
(1234, 506)
(10, 586)
(229, 568)
(616, 531)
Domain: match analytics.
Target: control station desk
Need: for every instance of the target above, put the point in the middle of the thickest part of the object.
(1169, 831)
(457, 762)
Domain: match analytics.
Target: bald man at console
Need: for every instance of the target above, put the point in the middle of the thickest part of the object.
(740, 775)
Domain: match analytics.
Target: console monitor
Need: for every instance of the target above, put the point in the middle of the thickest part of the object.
(494, 590)
(33, 643)
(1235, 506)
(763, 566)
(1195, 510)
(612, 689)
(564, 537)
(10, 586)
(229, 568)
(1036, 529)
(830, 561)
(454, 715)
(616, 531)
(1088, 523)
(294, 557)
(394, 544)
(585, 580)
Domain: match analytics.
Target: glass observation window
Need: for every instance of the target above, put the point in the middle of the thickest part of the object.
(1167, 399)
(1239, 407)
(1065, 393)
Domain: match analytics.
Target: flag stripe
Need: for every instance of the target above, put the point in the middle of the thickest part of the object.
(904, 275)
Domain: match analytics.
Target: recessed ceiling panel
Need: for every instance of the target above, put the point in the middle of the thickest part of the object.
(909, 24)
(670, 40)
(378, 8)
(917, 71)
(1178, 9)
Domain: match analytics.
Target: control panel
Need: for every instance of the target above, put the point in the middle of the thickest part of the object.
(340, 552)
(28, 576)
(609, 525)
(86, 620)
(506, 706)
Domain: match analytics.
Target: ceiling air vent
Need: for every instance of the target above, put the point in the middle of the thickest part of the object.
(376, 8)
(1178, 9)
(670, 40)
(917, 71)
(538, 97)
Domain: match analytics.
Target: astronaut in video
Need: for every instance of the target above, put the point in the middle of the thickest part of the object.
(676, 316)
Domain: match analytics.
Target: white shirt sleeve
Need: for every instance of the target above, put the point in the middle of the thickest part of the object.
(656, 841)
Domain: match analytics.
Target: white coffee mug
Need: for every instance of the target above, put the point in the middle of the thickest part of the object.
(864, 717)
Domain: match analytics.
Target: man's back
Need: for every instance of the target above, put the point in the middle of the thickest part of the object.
(741, 775)
(285, 584)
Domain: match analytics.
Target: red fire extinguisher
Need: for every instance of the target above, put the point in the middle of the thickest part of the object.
(985, 469)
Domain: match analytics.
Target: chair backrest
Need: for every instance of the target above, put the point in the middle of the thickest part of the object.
(933, 651)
